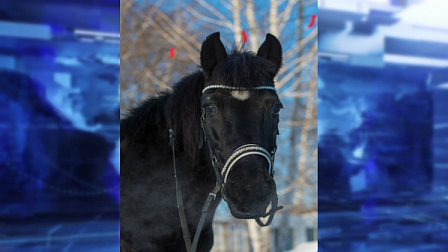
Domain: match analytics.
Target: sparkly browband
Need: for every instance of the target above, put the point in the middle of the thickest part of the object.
(237, 88)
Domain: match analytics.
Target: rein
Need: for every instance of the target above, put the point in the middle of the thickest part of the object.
(180, 203)
(180, 207)
(221, 172)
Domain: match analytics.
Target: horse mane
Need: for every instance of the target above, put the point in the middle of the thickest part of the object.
(180, 110)
(184, 113)
(144, 118)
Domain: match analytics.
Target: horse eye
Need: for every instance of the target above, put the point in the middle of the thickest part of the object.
(210, 109)
(276, 111)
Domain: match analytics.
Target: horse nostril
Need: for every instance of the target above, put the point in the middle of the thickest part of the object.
(244, 209)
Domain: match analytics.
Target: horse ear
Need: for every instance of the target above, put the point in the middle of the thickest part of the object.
(271, 49)
(213, 52)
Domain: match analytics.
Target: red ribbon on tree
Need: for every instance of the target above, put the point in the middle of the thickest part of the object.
(245, 38)
(312, 21)
(172, 52)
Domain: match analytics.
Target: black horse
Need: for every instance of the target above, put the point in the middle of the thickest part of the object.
(224, 124)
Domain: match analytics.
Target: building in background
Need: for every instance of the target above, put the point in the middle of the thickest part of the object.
(59, 120)
(383, 133)
(233, 235)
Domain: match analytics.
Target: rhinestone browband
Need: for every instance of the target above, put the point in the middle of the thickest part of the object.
(237, 88)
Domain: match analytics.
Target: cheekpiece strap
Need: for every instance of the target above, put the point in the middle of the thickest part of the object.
(238, 88)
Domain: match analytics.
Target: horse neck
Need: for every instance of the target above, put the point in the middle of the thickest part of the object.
(199, 168)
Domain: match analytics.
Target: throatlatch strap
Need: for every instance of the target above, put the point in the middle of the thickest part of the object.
(180, 203)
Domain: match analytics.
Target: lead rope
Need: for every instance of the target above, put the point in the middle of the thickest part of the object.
(180, 203)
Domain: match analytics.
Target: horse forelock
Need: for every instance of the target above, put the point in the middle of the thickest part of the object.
(243, 69)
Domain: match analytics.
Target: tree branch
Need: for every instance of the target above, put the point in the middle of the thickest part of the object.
(207, 19)
(286, 15)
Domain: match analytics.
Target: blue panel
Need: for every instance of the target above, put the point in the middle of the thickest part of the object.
(7, 62)
(21, 30)
(383, 141)
(416, 48)
(382, 179)
(59, 127)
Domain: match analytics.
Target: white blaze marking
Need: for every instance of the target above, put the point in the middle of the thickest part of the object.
(240, 95)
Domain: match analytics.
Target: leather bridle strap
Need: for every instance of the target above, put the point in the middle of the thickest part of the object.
(181, 209)
(208, 202)
(180, 203)
(271, 213)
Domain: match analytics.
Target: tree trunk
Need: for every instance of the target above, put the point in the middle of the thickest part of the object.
(292, 164)
(273, 18)
(259, 236)
(237, 28)
(253, 33)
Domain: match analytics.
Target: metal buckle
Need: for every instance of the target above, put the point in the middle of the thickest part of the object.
(202, 118)
(273, 153)
(171, 136)
(214, 160)
(214, 195)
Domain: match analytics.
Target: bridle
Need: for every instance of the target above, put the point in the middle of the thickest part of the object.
(222, 172)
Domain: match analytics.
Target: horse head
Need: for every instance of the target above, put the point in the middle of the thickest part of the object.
(240, 115)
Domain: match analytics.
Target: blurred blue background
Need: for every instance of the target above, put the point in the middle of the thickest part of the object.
(383, 125)
(59, 125)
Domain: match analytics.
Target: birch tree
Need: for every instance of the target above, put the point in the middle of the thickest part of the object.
(300, 61)
(148, 37)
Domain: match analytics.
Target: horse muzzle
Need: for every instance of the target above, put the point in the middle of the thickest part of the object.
(259, 200)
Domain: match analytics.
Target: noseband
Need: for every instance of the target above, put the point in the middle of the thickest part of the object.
(222, 172)
(246, 150)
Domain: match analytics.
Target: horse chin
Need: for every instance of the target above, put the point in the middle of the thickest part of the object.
(251, 214)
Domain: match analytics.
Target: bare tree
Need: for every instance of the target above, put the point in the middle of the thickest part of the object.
(148, 37)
